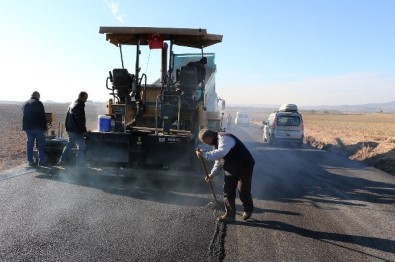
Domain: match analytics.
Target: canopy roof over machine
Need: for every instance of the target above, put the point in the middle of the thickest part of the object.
(196, 38)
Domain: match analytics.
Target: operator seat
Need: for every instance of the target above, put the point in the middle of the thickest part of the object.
(122, 79)
(122, 82)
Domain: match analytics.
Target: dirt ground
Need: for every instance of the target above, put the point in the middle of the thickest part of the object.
(363, 137)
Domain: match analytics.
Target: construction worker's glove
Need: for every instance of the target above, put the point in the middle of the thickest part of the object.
(199, 153)
(209, 178)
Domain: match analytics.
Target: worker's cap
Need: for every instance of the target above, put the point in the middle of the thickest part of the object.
(36, 94)
(203, 60)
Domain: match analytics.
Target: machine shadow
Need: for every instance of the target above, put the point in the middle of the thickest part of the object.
(171, 189)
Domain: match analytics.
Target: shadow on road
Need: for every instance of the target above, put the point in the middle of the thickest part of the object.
(370, 242)
(291, 174)
(178, 190)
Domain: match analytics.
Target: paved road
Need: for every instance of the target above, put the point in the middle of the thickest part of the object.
(87, 217)
(311, 205)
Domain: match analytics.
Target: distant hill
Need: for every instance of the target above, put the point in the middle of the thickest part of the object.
(10, 102)
(388, 107)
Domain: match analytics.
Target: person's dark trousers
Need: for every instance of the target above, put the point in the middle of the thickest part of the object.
(243, 186)
(75, 139)
(38, 136)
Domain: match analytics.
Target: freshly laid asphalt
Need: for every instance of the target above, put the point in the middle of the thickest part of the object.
(310, 205)
(77, 216)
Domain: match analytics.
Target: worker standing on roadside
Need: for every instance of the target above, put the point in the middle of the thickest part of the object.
(75, 124)
(238, 165)
(34, 123)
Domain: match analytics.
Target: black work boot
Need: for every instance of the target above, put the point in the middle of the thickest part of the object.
(246, 215)
(226, 218)
(230, 211)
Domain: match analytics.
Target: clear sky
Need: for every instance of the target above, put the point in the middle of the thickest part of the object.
(307, 52)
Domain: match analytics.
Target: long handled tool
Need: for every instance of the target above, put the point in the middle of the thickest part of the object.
(215, 204)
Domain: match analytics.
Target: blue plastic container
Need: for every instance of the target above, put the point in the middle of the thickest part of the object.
(104, 123)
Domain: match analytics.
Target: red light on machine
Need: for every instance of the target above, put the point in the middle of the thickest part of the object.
(155, 41)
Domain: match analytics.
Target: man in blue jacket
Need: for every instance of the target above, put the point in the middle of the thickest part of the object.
(75, 124)
(34, 123)
(231, 155)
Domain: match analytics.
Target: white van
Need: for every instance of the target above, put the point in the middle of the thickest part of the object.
(284, 125)
(242, 119)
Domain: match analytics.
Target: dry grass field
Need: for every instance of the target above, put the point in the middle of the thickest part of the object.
(363, 137)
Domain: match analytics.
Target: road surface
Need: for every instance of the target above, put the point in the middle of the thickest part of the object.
(311, 205)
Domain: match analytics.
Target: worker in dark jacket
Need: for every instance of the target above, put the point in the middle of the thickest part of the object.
(201, 69)
(34, 123)
(75, 124)
(231, 155)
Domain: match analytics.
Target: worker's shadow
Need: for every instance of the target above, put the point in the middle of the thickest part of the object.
(381, 244)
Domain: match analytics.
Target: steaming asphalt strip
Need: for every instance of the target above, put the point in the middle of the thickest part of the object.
(125, 172)
(73, 221)
(216, 250)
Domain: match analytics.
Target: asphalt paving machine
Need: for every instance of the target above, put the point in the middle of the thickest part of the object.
(156, 125)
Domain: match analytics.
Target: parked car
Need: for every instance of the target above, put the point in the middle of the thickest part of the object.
(284, 125)
(242, 119)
